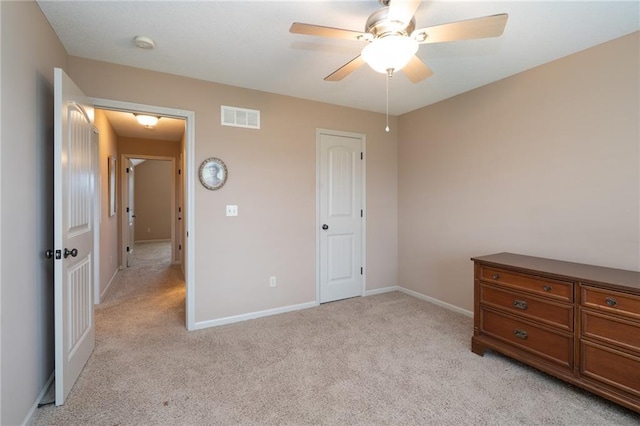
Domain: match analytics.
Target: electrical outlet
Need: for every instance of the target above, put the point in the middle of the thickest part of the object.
(272, 281)
(232, 210)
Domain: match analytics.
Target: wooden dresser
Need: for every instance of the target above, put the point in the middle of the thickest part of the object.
(580, 323)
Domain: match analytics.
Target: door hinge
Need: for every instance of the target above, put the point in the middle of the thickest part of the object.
(127, 249)
(127, 209)
(361, 213)
(179, 246)
(362, 155)
(179, 171)
(361, 271)
(127, 170)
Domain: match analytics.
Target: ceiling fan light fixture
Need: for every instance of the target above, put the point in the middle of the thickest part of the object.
(389, 53)
(147, 121)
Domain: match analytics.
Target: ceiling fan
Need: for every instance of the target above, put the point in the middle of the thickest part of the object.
(392, 38)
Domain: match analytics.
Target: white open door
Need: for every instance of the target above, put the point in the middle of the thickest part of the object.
(340, 214)
(74, 200)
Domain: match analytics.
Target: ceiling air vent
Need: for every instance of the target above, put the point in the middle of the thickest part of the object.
(240, 117)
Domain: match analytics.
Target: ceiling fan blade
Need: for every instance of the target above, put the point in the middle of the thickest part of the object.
(402, 10)
(488, 26)
(318, 30)
(346, 69)
(416, 70)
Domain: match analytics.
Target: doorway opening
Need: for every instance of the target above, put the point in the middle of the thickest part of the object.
(151, 210)
(173, 153)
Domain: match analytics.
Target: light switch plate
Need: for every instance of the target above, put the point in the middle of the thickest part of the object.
(232, 210)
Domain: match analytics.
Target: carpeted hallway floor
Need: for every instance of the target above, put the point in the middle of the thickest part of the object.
(382, 360)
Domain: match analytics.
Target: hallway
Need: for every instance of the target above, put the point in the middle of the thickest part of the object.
(150, 283)
(145, 304)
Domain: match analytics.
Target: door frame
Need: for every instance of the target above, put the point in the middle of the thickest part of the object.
(123, 177)
(363, 149)
(97, 216)
(189, 167)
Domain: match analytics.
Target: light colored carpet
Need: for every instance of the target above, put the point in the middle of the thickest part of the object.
(382, 360)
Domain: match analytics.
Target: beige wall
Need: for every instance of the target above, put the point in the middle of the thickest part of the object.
(109, 236)
(30, 51)
(153, 200)
(272, 180)
(147, 147)
(543, 163)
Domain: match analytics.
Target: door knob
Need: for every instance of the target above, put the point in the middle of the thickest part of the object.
(73, 252)
(325, 226)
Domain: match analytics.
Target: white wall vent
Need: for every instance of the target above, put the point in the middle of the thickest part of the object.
(240, 117)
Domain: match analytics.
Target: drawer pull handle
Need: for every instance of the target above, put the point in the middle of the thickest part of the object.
(496, 276)
(520, 334)
(547, 288)
(520, 304)
(611, 301)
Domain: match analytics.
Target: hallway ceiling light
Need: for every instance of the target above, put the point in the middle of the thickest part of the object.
(147, 121)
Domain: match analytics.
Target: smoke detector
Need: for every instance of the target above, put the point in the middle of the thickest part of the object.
(144, 42)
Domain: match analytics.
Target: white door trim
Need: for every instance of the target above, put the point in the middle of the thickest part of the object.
(97, 214)
(363, 147)
(189, 214)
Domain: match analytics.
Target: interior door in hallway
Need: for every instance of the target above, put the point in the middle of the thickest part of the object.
(74, 201)
(128, 212)
(340, 214)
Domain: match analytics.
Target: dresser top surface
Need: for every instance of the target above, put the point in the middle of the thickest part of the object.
(614, 278)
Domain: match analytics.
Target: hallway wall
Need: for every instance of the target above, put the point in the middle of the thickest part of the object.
(153, 200)
(109, 236)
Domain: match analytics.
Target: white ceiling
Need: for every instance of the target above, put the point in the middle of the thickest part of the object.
(248, 44)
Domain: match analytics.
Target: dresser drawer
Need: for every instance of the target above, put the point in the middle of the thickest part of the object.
(556, 347)
(552, 313)
(610, 301)
(611, 329)
(561, 290)
(615, 368)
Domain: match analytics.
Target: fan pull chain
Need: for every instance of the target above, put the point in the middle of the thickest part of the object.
(390, 73)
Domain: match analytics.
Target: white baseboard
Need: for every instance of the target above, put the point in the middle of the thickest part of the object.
(108, 288)
(253, 315)
(436, 302)
(237, 318)
(381, 290)
(151, 241)
(34, 407)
